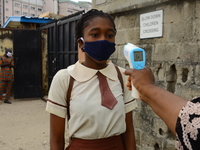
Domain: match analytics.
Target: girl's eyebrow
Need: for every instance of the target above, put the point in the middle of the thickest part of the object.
(93, 29)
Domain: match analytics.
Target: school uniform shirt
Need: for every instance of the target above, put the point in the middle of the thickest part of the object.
(88, 118)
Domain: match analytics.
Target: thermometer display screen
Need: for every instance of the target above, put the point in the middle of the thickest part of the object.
(138, 56)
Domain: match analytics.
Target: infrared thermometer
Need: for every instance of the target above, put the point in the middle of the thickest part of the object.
(136, 58)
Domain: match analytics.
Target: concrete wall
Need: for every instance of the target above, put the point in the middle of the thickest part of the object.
(6, 41)
(45, 86)
(174, 57)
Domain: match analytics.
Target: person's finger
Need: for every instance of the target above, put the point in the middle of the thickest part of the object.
(128, 71)
(129, 79)
(129, 86)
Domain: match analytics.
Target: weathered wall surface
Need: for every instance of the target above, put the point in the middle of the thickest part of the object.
(45, 86)
(6, 41)
(174, 58)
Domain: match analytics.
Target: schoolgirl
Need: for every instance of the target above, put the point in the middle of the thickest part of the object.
(92, 124)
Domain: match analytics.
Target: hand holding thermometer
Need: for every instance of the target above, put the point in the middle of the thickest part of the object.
(137, 59)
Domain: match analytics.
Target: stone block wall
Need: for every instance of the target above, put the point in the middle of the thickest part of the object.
(174, 58)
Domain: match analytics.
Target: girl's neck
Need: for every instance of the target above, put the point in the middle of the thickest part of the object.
(94, 65)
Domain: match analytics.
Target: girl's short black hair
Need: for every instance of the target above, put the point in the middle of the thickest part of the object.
(84, 21)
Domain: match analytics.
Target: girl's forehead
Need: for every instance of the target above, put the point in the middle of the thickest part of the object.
(100, 21)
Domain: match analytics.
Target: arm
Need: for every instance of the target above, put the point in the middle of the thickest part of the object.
(164, 103)
(11, 63)
(129, 136)
(7, 64)
(57, 130)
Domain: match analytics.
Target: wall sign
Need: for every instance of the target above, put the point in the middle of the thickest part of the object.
(151, 24)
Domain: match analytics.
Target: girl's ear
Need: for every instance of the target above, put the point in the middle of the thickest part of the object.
(80, 44)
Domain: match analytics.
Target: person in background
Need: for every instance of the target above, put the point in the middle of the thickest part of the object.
(93, 123)
(6, 75)
(180, 115)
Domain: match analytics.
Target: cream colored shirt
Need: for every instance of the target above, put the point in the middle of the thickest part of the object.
(88, 118)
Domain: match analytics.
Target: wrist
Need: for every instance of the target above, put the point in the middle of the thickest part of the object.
(147, 90)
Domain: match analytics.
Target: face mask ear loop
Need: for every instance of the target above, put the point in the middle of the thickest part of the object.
(83, 42)
(82, 39)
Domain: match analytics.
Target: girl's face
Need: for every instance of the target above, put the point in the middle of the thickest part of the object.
(99, 29)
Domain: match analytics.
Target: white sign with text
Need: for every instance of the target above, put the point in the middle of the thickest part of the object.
(151, 24)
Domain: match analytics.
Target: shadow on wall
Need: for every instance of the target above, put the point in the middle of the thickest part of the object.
(172, 78)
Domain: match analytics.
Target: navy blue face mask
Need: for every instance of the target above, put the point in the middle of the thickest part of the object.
(99, 50)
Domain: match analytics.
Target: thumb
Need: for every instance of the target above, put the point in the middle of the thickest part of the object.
(128, 71)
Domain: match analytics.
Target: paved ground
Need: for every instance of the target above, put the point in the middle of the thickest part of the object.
(24, 125)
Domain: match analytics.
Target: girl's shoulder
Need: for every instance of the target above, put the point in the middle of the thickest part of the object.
(65, 71)
(62, 75)
(121, 69)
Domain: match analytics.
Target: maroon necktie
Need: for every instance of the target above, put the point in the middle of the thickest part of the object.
(108, 99)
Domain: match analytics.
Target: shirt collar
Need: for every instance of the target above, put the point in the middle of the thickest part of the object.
(82, 73)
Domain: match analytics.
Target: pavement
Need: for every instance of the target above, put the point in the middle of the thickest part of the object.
(24, 125)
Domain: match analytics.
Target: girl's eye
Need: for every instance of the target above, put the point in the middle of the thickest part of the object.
(95, 35)
(110, 35)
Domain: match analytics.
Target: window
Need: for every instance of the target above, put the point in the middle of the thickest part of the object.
(17, 12)
(25, 13)
(25, 6)
(39, 9)
(7, 9)
(17, 4)
(6, 1)
(33, 8)
(33, 15)
(7, 17)
(69, 11)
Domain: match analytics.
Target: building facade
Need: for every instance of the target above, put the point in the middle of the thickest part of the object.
(32, 8)
(67, 7)
(35, 8)
(173, 56)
